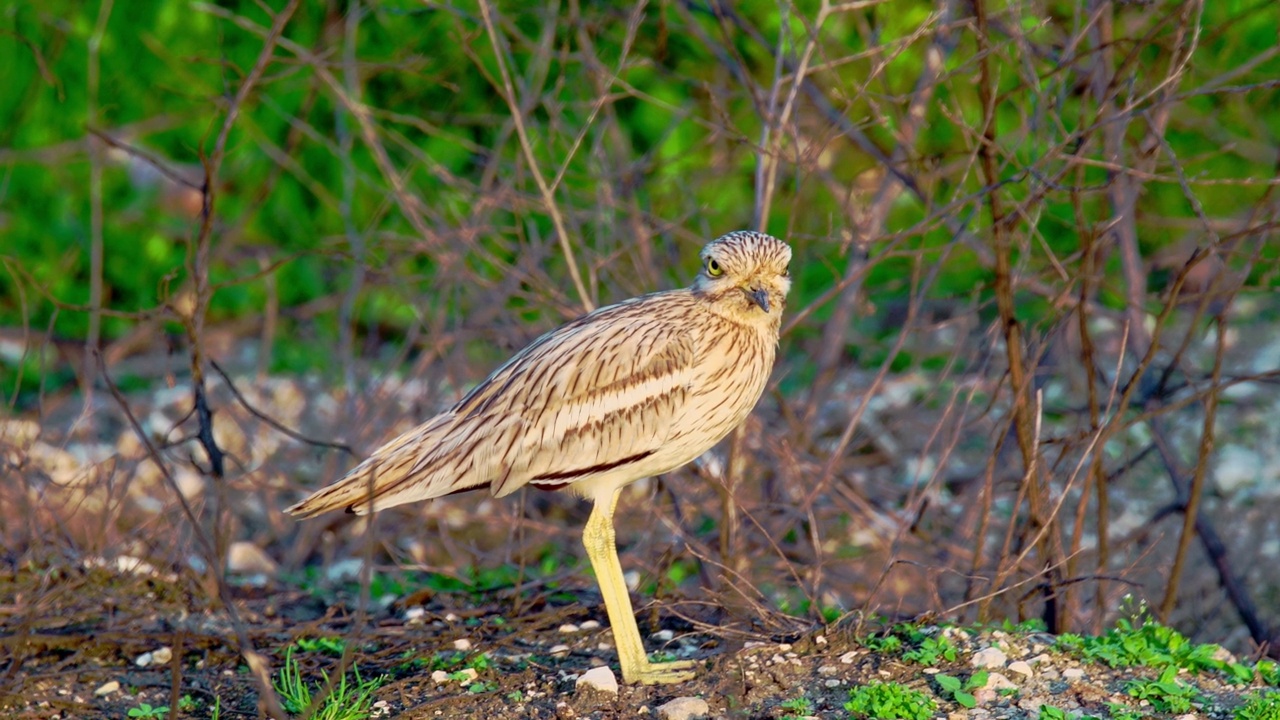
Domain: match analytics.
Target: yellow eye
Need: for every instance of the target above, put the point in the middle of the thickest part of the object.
(713, 268)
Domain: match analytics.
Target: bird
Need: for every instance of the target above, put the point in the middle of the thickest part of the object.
(626, 392)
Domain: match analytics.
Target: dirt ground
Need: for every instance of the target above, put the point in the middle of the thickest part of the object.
(73, 639)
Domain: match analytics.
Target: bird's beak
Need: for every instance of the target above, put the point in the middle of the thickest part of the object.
(758, 296)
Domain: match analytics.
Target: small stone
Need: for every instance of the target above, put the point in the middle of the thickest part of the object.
(597, 679)
(684, 708)
(1040, 659)
(415, 614)
(107, 688)
(246, 558)
(849, 657)
(752, 644)
(820, 640)
(589, 625)
(344, 570)
(1073, 674)
(990, 657)
(784, 647)
(559, 651)
(663, 636)
(469, 675)
(998, 681)
(462, 644)
(143, 660)
(832, 682)
(1020, 667)
(439, 677)
(568, 628)
(828, 670)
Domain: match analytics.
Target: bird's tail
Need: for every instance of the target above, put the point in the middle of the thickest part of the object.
(401, 471)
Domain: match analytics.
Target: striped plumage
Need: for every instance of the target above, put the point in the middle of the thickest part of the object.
(629, 391)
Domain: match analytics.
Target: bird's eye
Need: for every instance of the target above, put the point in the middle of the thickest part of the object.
(713, 268)
(786, 272)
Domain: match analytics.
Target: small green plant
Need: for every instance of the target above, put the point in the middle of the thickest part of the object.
(146, 711)
(796, 708)
(186, 703)
(931, 650)
(327, 645)
(1268, 672)
(1262, 706)
(481, 686)
(1153, 645)
(883, 643)
(515, 696)
(1166, 694)
(1049, 712)
(962, 692)
(1122, 712)
(347, 701)
(889, 701)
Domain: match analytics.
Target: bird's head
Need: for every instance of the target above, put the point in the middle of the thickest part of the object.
(744, 275)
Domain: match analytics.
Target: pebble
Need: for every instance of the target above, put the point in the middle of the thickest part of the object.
(107, 688)
(348, 569)
(684, 708)
(849, 657)
(589, 625)
(998, 681)
(568, 628)
(159, 656)
(559, 651)
(991, 657)
(1020, 667)
(415, 614)
(1073, 674)
(663, 636)
(462, 644)
(599, 679)
(828, 670)
(246, 558)
(820, 640)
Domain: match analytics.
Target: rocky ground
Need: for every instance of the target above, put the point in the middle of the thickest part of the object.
(115, 640)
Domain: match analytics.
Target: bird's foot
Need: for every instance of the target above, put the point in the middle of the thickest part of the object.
(660, 673)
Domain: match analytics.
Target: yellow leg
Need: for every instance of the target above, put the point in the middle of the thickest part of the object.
(602, 550)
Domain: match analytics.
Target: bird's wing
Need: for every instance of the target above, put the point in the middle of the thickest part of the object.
(593, 396)
(590, 396)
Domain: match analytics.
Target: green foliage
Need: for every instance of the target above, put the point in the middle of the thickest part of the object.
(796, 707)
(1049, 712)
(931, 650)
(1166, 694)
(146, 711)
(327, 645)
(1260, 706)
(1151, 645)
(350, 699)
(1120, 712)
(304, 191)
(889, 701)
(962, 692)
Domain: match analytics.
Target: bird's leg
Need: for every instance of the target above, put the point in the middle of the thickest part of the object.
(598, 538)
